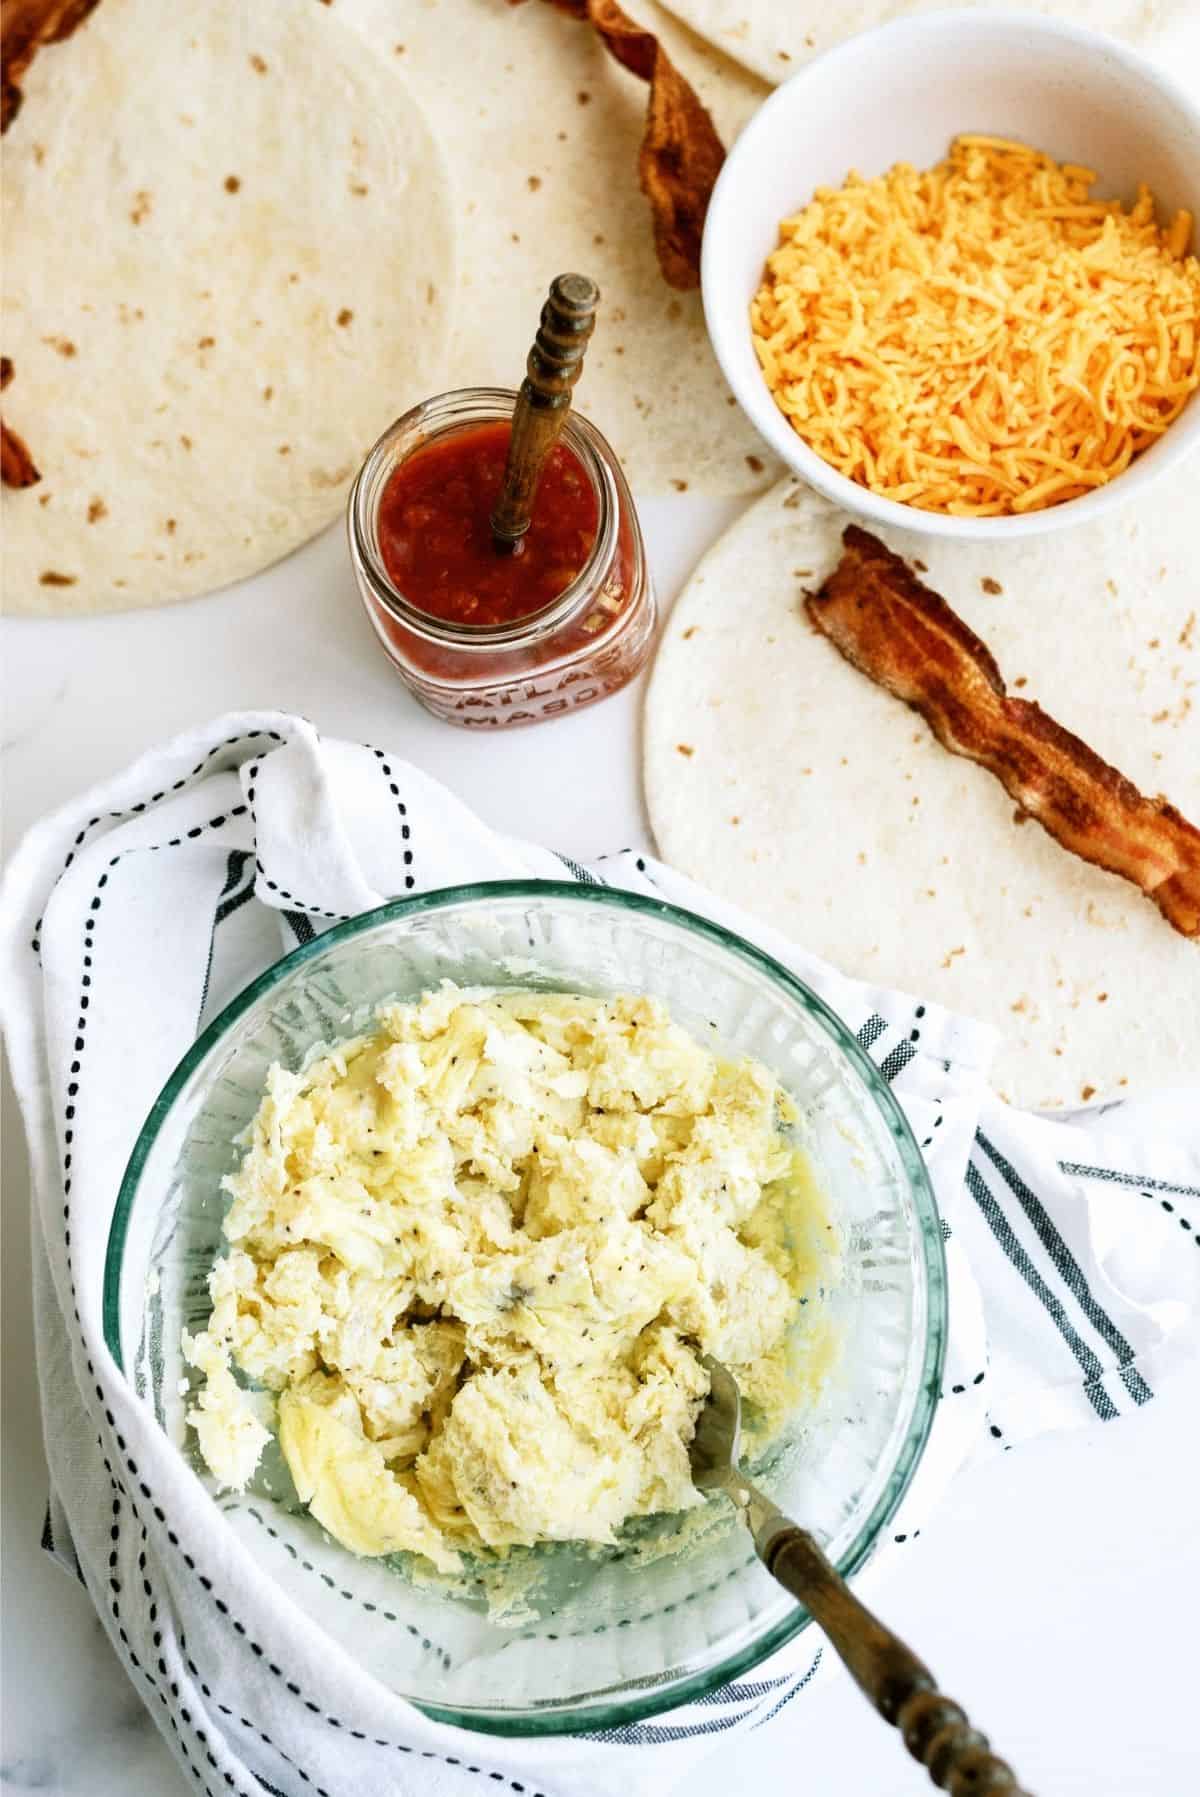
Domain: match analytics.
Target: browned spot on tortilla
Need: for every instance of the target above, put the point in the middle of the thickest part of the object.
(1188, 632)
(1086, 1092)
(232, 183)
(268, 392)
(952, 955)
(1153, 643)
(170, 527)
(989, 585)
(344, 316)
(96, 510)
(755, 464)
(39, 154)
(1020, 816)
(690, 632)
(685, 749)
(285, 449)
(1101, 998)
(143, 205)
(920, 566)
(680, 486)
(63, 345)
(735, 821)
(51, 578)
(1020, 680)
(45, 498)
(583, 96)
(17, 467)
(185, 442)
(533, 182)
(1022, 1004)
(205, 342)
(326, 477)
(359, 188)
(257, 63)
(398, 49)
(794, 500)
(598, 238)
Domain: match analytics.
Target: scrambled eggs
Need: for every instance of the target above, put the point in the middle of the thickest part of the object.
(476, 1253)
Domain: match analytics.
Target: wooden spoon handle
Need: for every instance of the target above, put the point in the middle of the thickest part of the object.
(553, 366)
(903, 1690)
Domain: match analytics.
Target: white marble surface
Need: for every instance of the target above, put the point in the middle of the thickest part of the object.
(1055, 1594)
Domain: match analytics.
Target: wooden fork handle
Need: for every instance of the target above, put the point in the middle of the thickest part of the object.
(935, 1729)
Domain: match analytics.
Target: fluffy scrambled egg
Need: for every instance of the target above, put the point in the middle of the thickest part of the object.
(476, 1253)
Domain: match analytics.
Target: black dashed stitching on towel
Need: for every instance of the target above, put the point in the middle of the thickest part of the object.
(278, 1672)
(161, 1684)
(273, 885)
(410, 879)
(135, 810)
(373, 1609)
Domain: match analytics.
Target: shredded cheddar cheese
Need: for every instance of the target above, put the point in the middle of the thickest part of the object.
(982, 337)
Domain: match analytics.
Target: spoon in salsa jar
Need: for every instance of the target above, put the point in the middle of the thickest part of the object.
(553, 366)
(903, 1690)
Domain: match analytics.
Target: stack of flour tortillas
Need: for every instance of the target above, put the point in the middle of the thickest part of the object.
(787, 781)
(229, 263)
(277, 190)
(775, 39)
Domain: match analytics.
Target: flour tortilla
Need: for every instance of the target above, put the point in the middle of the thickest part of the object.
(775, 37)
(792, 785)
(182, 378)
(542, 129)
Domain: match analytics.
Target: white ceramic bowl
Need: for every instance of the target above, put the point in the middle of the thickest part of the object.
(900, 94)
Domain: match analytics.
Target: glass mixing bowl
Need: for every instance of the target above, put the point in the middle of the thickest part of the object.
(617, 1636)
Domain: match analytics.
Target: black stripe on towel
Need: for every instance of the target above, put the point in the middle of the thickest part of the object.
(300, 926)
(1000, 1227)
(577, 870)
(895, 1062)
(1072, 1273)
(1127, 1179)
(788, 1695)
(871, 1031)
(228, 900)
(740, 1692)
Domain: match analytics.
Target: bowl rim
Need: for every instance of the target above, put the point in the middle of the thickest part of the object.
(804, 462)
(649, 1700)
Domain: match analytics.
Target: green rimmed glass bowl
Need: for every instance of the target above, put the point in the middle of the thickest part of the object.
(621, 1636)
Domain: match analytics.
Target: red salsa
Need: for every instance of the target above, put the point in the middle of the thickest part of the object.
(436, 542)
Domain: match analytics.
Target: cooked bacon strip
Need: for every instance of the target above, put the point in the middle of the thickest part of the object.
(908, 640)
(681, 154)
(25, 25)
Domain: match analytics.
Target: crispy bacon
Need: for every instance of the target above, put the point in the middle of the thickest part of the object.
(25, 25)
(908, 640)
(681, 154)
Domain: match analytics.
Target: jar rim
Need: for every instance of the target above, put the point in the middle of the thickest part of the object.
(439, 416)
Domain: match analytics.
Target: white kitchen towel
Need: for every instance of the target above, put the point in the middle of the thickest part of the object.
(129, 918)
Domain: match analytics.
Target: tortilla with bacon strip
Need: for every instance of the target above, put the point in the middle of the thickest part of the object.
(899, 633)
(779, 775)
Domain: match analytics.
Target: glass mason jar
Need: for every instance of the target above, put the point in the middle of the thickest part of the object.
(585, 644)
